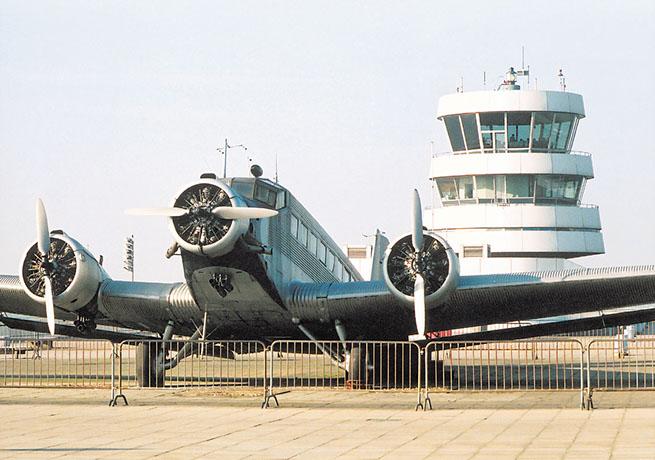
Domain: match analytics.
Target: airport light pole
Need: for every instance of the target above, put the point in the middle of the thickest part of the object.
(128, 255)
(224, 152)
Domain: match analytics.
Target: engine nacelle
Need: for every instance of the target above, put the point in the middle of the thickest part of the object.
(200, 231)
(75, 273)
(436, 262)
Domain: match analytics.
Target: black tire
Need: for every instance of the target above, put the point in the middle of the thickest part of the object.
(147, 355)
(358, 375)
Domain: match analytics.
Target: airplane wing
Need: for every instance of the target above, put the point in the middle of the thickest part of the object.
(134, 306)
(480, 299)
(370, 310)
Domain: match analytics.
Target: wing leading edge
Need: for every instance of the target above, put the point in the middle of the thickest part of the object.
(480, 299)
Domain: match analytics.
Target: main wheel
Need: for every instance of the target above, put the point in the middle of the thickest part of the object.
(359, 373)
(148, 373)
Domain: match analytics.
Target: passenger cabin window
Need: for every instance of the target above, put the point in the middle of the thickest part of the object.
(281, 200)
(302, 234)
(338, 269)
(311, 243)
(294, 226)
(320, 252)
(318, 248)
(329, 263)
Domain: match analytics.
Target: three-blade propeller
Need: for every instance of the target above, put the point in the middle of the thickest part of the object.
(43, 244)
(222, 212)
(419, 283)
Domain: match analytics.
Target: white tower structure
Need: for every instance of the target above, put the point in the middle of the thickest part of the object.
(511, 188)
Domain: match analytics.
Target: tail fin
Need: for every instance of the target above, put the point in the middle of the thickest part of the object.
(380, 246)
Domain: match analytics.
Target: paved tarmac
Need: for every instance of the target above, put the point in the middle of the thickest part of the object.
(50, 423)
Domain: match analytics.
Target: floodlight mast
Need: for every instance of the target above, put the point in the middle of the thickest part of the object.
(128, 255)
(224, 152)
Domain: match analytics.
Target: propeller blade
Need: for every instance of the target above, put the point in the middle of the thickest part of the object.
(417, 223)
(42, 231)
(229, 212)
(165, 212)
(419, 304)
(49, 305)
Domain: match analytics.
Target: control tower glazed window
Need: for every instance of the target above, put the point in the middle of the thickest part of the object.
(501, 132)
(454, 129)
(510, 188)
(470, 126)
(492, 128)
(518, 130)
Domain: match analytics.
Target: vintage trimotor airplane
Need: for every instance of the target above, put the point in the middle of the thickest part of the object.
(257, 265)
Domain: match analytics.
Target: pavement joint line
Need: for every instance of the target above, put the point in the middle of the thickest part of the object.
(543, 428)
(223, 435)
(616, 434)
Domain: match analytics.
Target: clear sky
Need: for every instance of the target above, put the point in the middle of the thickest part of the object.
(110, 105)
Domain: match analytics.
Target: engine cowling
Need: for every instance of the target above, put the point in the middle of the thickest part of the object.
(199, 230)
(74, 272)
(436, 262)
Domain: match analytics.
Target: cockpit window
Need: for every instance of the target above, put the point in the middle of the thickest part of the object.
(268, 193)
(261, 190)
(265, 194)
(243, 187)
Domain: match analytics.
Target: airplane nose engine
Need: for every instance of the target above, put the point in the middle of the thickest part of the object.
(436, 262)
(201, 229)
(74, 274)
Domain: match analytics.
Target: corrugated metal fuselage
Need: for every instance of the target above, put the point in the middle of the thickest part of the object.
(262, 282)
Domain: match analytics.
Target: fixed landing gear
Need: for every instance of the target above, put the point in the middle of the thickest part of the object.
(150, 364)
(154, 358)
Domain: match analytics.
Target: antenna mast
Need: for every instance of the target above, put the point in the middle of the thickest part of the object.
(224, 150)
(562, 80)
(276, 178)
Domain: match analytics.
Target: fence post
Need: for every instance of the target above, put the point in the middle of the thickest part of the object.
(269, 394)
(117, 354)
(582, 374)
(589, 390)
(418, 380)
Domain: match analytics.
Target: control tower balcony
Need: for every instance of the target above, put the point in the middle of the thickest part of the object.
(519, 230)
(572, 164)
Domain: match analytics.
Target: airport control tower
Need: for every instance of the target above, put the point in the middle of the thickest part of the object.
(511, 188)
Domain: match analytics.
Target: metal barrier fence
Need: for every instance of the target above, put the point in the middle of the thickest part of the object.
(621, 364)
(539, 364)
(61, 363)
(521, 365)
(352, 365)
(190, 364)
